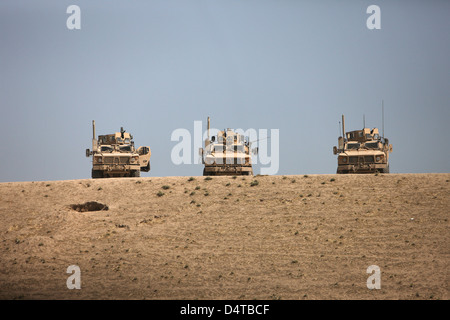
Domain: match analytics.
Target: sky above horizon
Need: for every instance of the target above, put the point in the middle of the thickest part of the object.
(156, 66)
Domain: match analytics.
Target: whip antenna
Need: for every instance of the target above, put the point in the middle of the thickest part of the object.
(382, 116)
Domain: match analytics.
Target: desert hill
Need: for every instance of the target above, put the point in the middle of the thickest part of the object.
(262, 237)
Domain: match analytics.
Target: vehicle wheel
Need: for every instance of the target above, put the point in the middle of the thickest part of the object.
(97, 174)
(386, 170)
(135, 174)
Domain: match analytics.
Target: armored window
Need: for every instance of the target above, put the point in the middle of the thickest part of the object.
(106, 149)
(372, 145)
(353, 146)
(143, 150)
(218, 148)
(126, 148)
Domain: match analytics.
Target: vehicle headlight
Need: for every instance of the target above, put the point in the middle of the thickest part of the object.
(98, 159)
(379, 158)
(209, 160)
(343, 159)
(134, 159)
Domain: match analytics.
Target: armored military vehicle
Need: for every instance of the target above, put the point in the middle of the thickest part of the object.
(362, 151)
(229, 154)
(114, 155)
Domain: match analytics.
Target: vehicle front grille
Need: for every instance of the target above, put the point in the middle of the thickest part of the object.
(230, 160)
(361, 159)
(116, 160)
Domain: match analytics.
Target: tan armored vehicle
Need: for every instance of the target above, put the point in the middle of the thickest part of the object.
(114, 155)
(228, 155)
(362, 151)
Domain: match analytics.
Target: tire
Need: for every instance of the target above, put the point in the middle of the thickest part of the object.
(96, 174)
(135, 174)
(386, 170)
(146, 168)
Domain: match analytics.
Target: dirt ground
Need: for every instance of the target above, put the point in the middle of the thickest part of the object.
(282, 237)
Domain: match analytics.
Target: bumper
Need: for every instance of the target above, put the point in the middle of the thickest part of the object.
(116, 168)
(362, 168)
(227, 170)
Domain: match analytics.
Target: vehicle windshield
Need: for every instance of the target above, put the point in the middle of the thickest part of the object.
(353, 146)
(371, 145)
(106, 149)
(218, 148)
(125, 148)
(236, 148)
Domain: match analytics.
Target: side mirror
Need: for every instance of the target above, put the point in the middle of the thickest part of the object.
(390, 148)
(201, 158)
(88, 153)
(255, 151)
(335, 151)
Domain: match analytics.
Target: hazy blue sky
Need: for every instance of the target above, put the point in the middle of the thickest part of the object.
(155, 66)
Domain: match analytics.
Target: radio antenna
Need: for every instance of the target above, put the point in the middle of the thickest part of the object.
(382, 116)
(266, 138)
